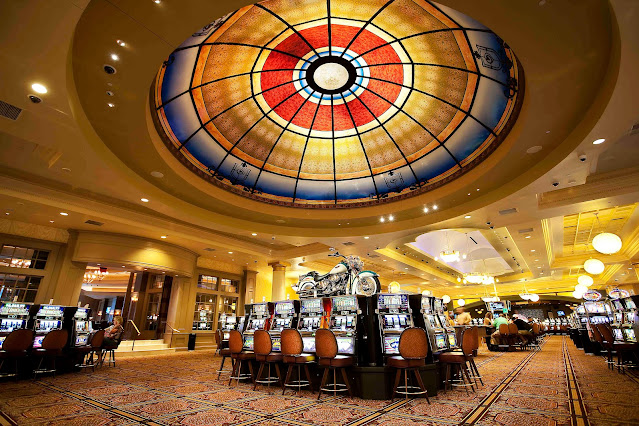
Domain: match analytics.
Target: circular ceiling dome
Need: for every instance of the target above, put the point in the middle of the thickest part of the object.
(291, 103)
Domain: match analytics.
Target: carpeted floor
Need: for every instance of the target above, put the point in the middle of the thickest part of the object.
(558, 385)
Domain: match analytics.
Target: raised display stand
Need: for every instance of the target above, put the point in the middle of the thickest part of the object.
(377, 382)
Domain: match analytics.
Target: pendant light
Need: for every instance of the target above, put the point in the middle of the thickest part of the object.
(606, 242)
(585, 280)
(594, 266)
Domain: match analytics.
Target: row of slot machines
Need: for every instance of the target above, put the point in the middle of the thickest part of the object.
(621, 314)
(557, 325)
(45, 318)
(365, 328)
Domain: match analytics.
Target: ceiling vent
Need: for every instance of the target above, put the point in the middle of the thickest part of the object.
(634, 129)
(526, 231)
(9, 111)
(373, 255)
(508, 211)
(94, 222)
(349, 243)
(209, 249)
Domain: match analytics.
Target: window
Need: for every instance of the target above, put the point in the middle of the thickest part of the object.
(24, 287)
(207, 282)
(228, 286)
(22, 257)
(158, 282)
(152, 311)
(228, 304)
(204, 311)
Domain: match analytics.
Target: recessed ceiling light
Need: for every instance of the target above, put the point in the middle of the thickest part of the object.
(7, 213)
(467, 216)
(230, 252)
(469, 194)
(123, 266)
(477, 189)
(121, 43)
(144, 200)
(425, 209)
(156, 1)
(405, 268)
(164, 272)
(527, 236)
(51, 221)
(64, 214)
(536, 260)
(254, 234)
(435, 207)
(156, 174)
(115, 57)
(110, 105)
(366, 238)
(163, 236)
(39, 88)
(538, 267)
(532, 251)
(534, 149)
(383, 260)
(391, 217)
(381, 219)
(597, 142)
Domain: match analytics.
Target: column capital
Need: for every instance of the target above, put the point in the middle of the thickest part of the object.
(279, 266)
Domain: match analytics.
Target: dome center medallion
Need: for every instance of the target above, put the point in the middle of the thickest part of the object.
(331, 74)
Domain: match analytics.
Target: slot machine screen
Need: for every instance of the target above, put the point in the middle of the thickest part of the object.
(630, 335)
(226, 336)
(2, 339)
(497, 306)
(403, 320)
(440, 341)
(312, 305)
(590, 307)
(618, 333)
(619, 317)
(81, 340)
(277, 345)
(432, 321)
(426, 305)
(630, 304)
(345, 345)
(259, 309)
(391, 344)
(248, 342)
(309, 344)
(560, 313)
(618, 305)
(452, 339)
(284, 308)
(37, 342)
(349, 321)
(581, 309)
(600, 307)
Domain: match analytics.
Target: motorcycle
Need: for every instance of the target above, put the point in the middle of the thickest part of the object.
(347, 277)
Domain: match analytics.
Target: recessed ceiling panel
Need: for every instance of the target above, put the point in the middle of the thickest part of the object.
(337, 103)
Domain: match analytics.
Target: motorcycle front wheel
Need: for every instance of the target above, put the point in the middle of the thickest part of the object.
(367, 286)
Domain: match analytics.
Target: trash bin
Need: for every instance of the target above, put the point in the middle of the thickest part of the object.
(191, 345)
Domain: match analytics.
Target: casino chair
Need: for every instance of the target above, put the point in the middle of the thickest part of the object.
(224, 352)
(473, 335)
(505, 338)
(413, 350)
(536, 335)
(606, 351)
(326, 350)
(51, 349)
(292, 350)
(88, 351)
(460, 359)
(238, 355)
(110, 349)
(266, 357)
(15, 347)
(515, 338)
(620, 348)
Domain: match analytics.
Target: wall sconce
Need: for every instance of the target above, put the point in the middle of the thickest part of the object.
(134, 297)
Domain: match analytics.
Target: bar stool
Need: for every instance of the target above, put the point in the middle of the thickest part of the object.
(474, 342)
(93, 348)
(620, 348)
(52, 346)
(326, 351)
(265, 356)
(238, 355)
(516, 339)
(413, 350)
(459, 359)
(292, 347)
(606, 350)
(15, 347)
(110, 349)
(223, 352)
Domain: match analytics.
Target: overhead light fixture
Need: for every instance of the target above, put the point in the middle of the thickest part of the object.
(585, 280)
(581, 288)
(391, 218)
(594, 266)
(534, 297)
(435, 207)
(426, 210)
(381, 219)
(64, 214)
(51, 221)
(144, 200)
(449, 256)
(110, 105)
(467, 216)
(163, 236)
(532, 251)
(427, 293)
(599, 141)
(394, 287)
(230, 252)
(366, 238)
(115, 57)
(607, 243)
(254, 234)
(156, 1)
(577, 295)
(121, 43)
(446, 299)
(527, 236)
(461, 302)
(39, 88)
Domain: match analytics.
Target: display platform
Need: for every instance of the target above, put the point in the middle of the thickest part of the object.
(377, 382)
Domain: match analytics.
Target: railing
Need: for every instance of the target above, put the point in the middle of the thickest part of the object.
(136, 336)
(173, 332)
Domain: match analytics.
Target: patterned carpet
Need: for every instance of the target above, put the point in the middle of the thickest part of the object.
(558, 385)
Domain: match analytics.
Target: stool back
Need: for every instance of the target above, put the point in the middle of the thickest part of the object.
(606, 333)
(236, 343)
(325, 343)
(597, 334)
(512, 329)
(503, 329)
(18, 340)
(535, 329)
(475, 332)
(97, 339)
(413, 343)
(55, 340)
(218, 338)
(468, 341)
(292, 343)
(263, 342)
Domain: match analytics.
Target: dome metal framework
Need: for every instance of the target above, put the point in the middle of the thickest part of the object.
(337, 103)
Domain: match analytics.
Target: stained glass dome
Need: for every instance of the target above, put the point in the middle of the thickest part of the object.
(337, 103)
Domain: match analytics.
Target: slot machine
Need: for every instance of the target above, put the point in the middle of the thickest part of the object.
(13, 316)
(240, 324)
(226, 323)
(309, 320)
(440, 307)
(343, 321)
(82, 327)
(631, 319)
(394, 315)
(258, 318)
(437, 335)
(47, 318)
(284, 316)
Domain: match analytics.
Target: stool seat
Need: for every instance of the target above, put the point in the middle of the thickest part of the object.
(299, 359)
(272, 357)
(453, 357)
(624, 346)
(400, 362)
(338, 361)
(12, 354)
(83, 349)
(243, 356)
(225, 352)
(41, 351)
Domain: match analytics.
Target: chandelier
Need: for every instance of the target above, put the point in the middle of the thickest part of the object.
(479, 278)
(449, 256)
(95, 274)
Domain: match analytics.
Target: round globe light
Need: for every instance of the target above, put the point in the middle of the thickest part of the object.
(607, 243)
(394, 287)
(534, 298)
(446, 299)
(585, 280)
(577, 295)
(461, 302)
(427, 293)
(581, 288)
(594, 266)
